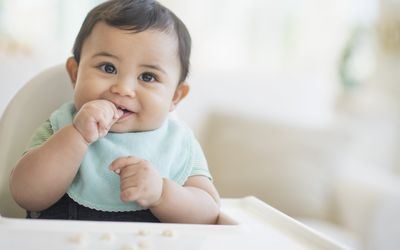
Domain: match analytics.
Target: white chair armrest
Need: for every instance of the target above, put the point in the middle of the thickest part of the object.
(368, 204)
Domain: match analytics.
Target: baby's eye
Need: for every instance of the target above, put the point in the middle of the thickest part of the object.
(108, 68)
(147, 77)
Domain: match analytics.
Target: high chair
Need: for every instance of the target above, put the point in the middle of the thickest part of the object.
(30, 107)
(244, 223)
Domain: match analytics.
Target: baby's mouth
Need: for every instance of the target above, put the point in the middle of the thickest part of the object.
(125, 112)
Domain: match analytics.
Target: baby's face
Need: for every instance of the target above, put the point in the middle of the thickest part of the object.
(138, 72)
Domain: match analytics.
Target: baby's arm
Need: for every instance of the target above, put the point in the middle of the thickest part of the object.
(43, 175)
(196, 202)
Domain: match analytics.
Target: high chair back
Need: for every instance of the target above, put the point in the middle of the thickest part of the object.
(30, 107)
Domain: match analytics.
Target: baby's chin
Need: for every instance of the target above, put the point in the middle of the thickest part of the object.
(116, 128)
(136, 125)
(123, 130)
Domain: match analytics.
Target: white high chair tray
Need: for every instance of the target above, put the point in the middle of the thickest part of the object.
(245, 223)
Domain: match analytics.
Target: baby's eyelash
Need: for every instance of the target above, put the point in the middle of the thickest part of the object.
(108, 68)
(150, 74)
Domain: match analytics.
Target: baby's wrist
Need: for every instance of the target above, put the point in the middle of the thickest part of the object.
(162, 196)
(84, 140)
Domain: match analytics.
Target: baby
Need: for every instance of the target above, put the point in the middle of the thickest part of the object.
(115, 153)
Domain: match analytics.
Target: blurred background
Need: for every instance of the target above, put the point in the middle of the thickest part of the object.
(294, 101)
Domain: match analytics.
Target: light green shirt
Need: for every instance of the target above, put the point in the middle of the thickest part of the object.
(172, 149)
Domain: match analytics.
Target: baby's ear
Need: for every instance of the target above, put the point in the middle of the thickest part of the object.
(72, 69)
(182, 90)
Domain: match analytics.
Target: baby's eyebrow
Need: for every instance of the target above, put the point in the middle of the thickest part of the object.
(103, 53)
(156, 67)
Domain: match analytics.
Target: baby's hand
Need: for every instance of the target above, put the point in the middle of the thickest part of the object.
(95, 119)
(140, 182)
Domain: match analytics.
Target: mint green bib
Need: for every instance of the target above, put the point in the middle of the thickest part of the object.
(169, 148)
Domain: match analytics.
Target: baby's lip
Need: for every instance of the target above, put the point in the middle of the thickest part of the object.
(123, 108)
(124, 112)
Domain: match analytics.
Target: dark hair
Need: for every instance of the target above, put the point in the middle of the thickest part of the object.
(137, 16)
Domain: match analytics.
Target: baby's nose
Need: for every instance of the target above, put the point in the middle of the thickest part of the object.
(125, 87)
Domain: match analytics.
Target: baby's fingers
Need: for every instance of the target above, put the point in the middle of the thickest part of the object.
(110, 113)
(130, 194)
(122, 162)
(116, 115)
(102, 126)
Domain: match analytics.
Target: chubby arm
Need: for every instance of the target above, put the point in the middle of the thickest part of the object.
(197, 201)
(43, 175)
